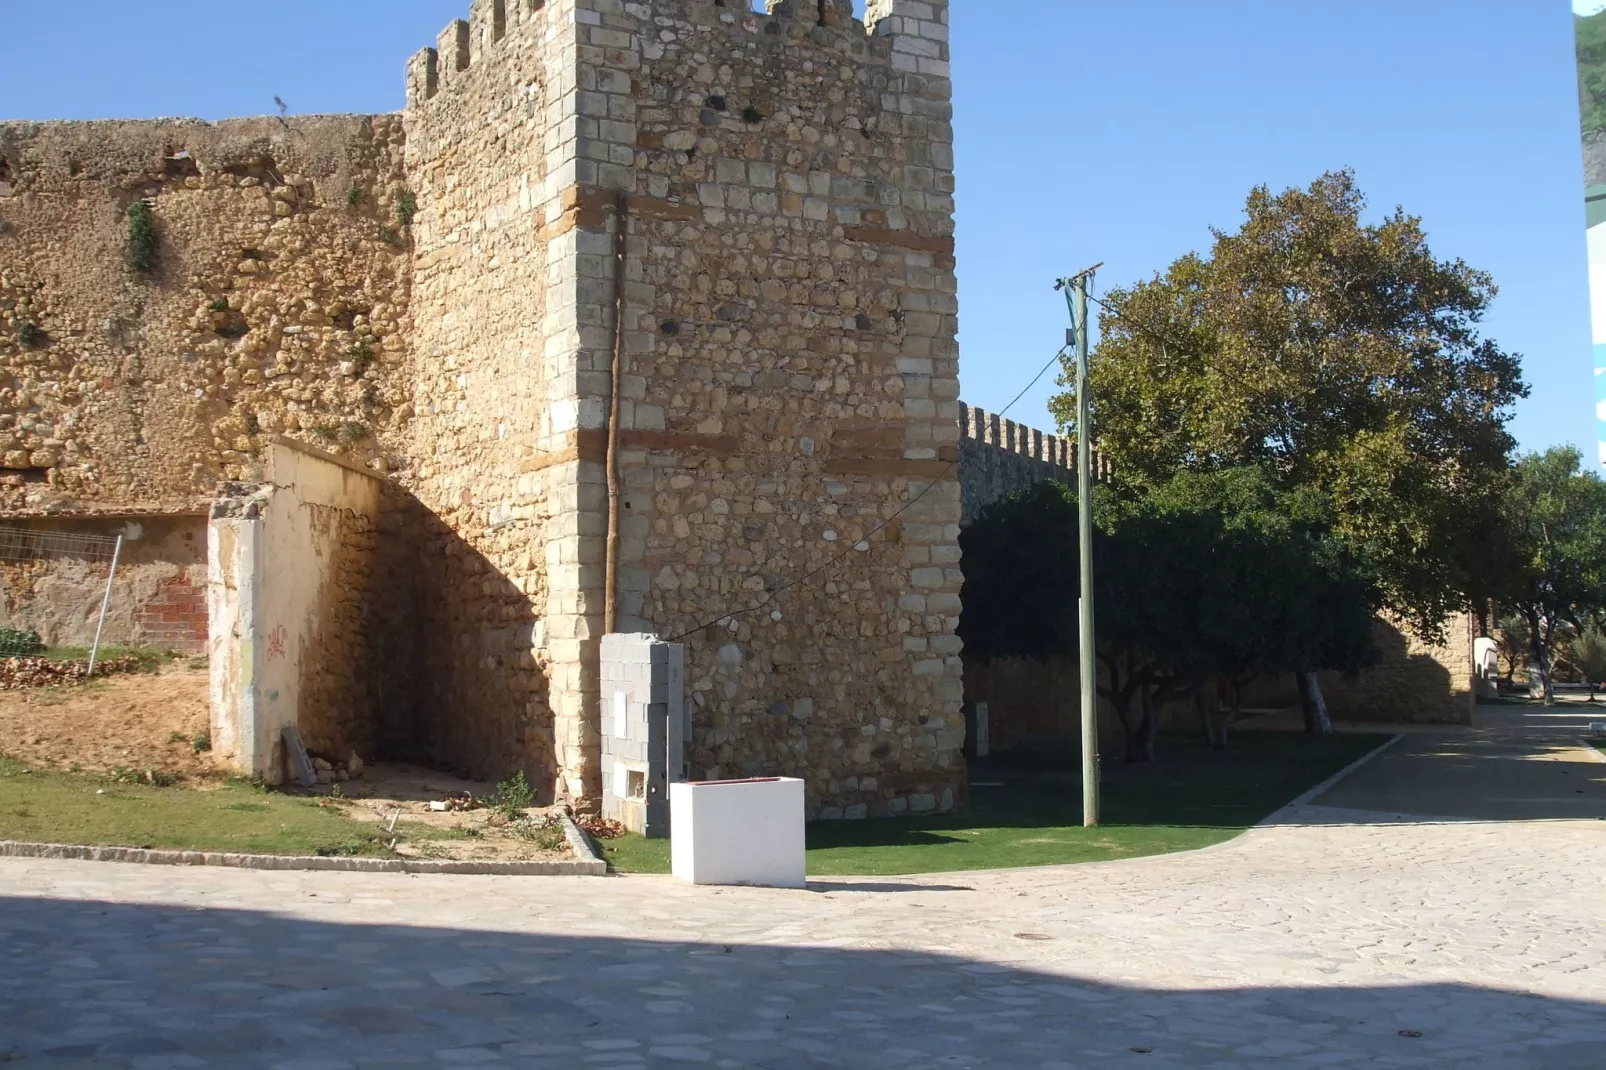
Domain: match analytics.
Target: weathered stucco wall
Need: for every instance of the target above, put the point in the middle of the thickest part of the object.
(275, 303)
(158, 594)
(293, 611)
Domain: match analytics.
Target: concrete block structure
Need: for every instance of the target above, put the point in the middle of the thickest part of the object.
(644, 729)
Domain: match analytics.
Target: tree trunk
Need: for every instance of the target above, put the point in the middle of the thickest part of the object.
(1314, 704)
(1208, 705)
(1140, 737)
(1539, 641)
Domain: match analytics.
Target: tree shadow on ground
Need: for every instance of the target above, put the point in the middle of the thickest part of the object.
(117, 985)
(1190, 786)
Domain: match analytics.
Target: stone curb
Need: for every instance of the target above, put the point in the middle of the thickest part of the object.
(585, 852)
(587, 864)
(1305, 798)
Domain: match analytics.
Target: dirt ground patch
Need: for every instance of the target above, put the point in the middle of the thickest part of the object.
(145, 721)
(400, 793)
(149, 723)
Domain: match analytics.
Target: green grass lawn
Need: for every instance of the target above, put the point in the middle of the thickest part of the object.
(236, 816)
(1192, 797)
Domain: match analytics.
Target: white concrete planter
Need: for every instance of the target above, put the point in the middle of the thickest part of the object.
(738, 832)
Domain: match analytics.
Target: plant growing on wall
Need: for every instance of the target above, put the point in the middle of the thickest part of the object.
(28, 333)
(143, 242)
(406, 208)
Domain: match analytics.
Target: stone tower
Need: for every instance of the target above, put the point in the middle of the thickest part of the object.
(685, 342)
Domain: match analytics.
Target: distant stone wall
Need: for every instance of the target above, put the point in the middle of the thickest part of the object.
(999, 457)
(1416, 683)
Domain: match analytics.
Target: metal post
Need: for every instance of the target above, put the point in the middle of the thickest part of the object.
(1084, 513)
(105, 603)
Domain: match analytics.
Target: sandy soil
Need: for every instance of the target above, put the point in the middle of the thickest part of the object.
(146, 722)
(138, 721)
(404, 792)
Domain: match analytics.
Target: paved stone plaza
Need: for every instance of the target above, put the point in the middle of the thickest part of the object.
(1328, 937)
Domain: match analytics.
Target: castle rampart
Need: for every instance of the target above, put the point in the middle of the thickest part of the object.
(648, 310)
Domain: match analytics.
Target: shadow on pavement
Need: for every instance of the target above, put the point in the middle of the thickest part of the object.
(98, 984)
(1514, 764)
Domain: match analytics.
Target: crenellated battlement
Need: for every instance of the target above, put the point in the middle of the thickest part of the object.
(465, 42)
(917, 31)
(998, 457)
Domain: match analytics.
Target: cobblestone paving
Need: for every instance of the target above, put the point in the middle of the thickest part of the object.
(1324, 940)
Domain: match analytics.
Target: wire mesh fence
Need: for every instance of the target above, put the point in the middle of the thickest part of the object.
(30, 558)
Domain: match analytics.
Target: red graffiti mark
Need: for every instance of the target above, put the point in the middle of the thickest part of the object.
(276, 643)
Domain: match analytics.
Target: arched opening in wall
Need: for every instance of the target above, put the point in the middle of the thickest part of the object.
(498, 19)
(5, 177)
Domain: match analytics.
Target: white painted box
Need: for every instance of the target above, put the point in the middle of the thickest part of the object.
(738, 832)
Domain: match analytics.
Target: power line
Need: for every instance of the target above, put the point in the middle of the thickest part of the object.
(864, 539)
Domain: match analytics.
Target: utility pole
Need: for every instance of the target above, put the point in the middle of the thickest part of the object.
(1075, 289)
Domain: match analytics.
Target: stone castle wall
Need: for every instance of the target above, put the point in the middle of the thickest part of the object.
(781, 186)
(792, 367)
(788, 426)
(275, 306)
(484, 115)
(999, 457)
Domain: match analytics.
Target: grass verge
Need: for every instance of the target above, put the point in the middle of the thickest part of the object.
(1193, 797)
(237, 816)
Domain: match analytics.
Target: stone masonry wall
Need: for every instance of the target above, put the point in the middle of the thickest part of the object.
(998, 457)
(277, 305)
(791, 385)
(1416, 682)
(788, 385)
(484, 119)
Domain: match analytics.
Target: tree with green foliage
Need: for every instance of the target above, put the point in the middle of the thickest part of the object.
(1341, 359)
(1590, 36)
(1213, 575)
(1587, 652)
(1556, 512)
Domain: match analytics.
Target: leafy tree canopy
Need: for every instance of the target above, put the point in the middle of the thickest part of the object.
(1212, 573)
(1590, 32)
(1338, 358)
(1555, 512)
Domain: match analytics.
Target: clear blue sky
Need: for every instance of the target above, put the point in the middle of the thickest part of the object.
(1085, 132)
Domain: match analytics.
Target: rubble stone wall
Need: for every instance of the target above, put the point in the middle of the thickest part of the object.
(485, 119)
(790, 416)
(276, 303)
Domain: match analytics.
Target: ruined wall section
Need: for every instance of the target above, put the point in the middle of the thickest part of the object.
(790, 382)
(277, 304)
(483, 118)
